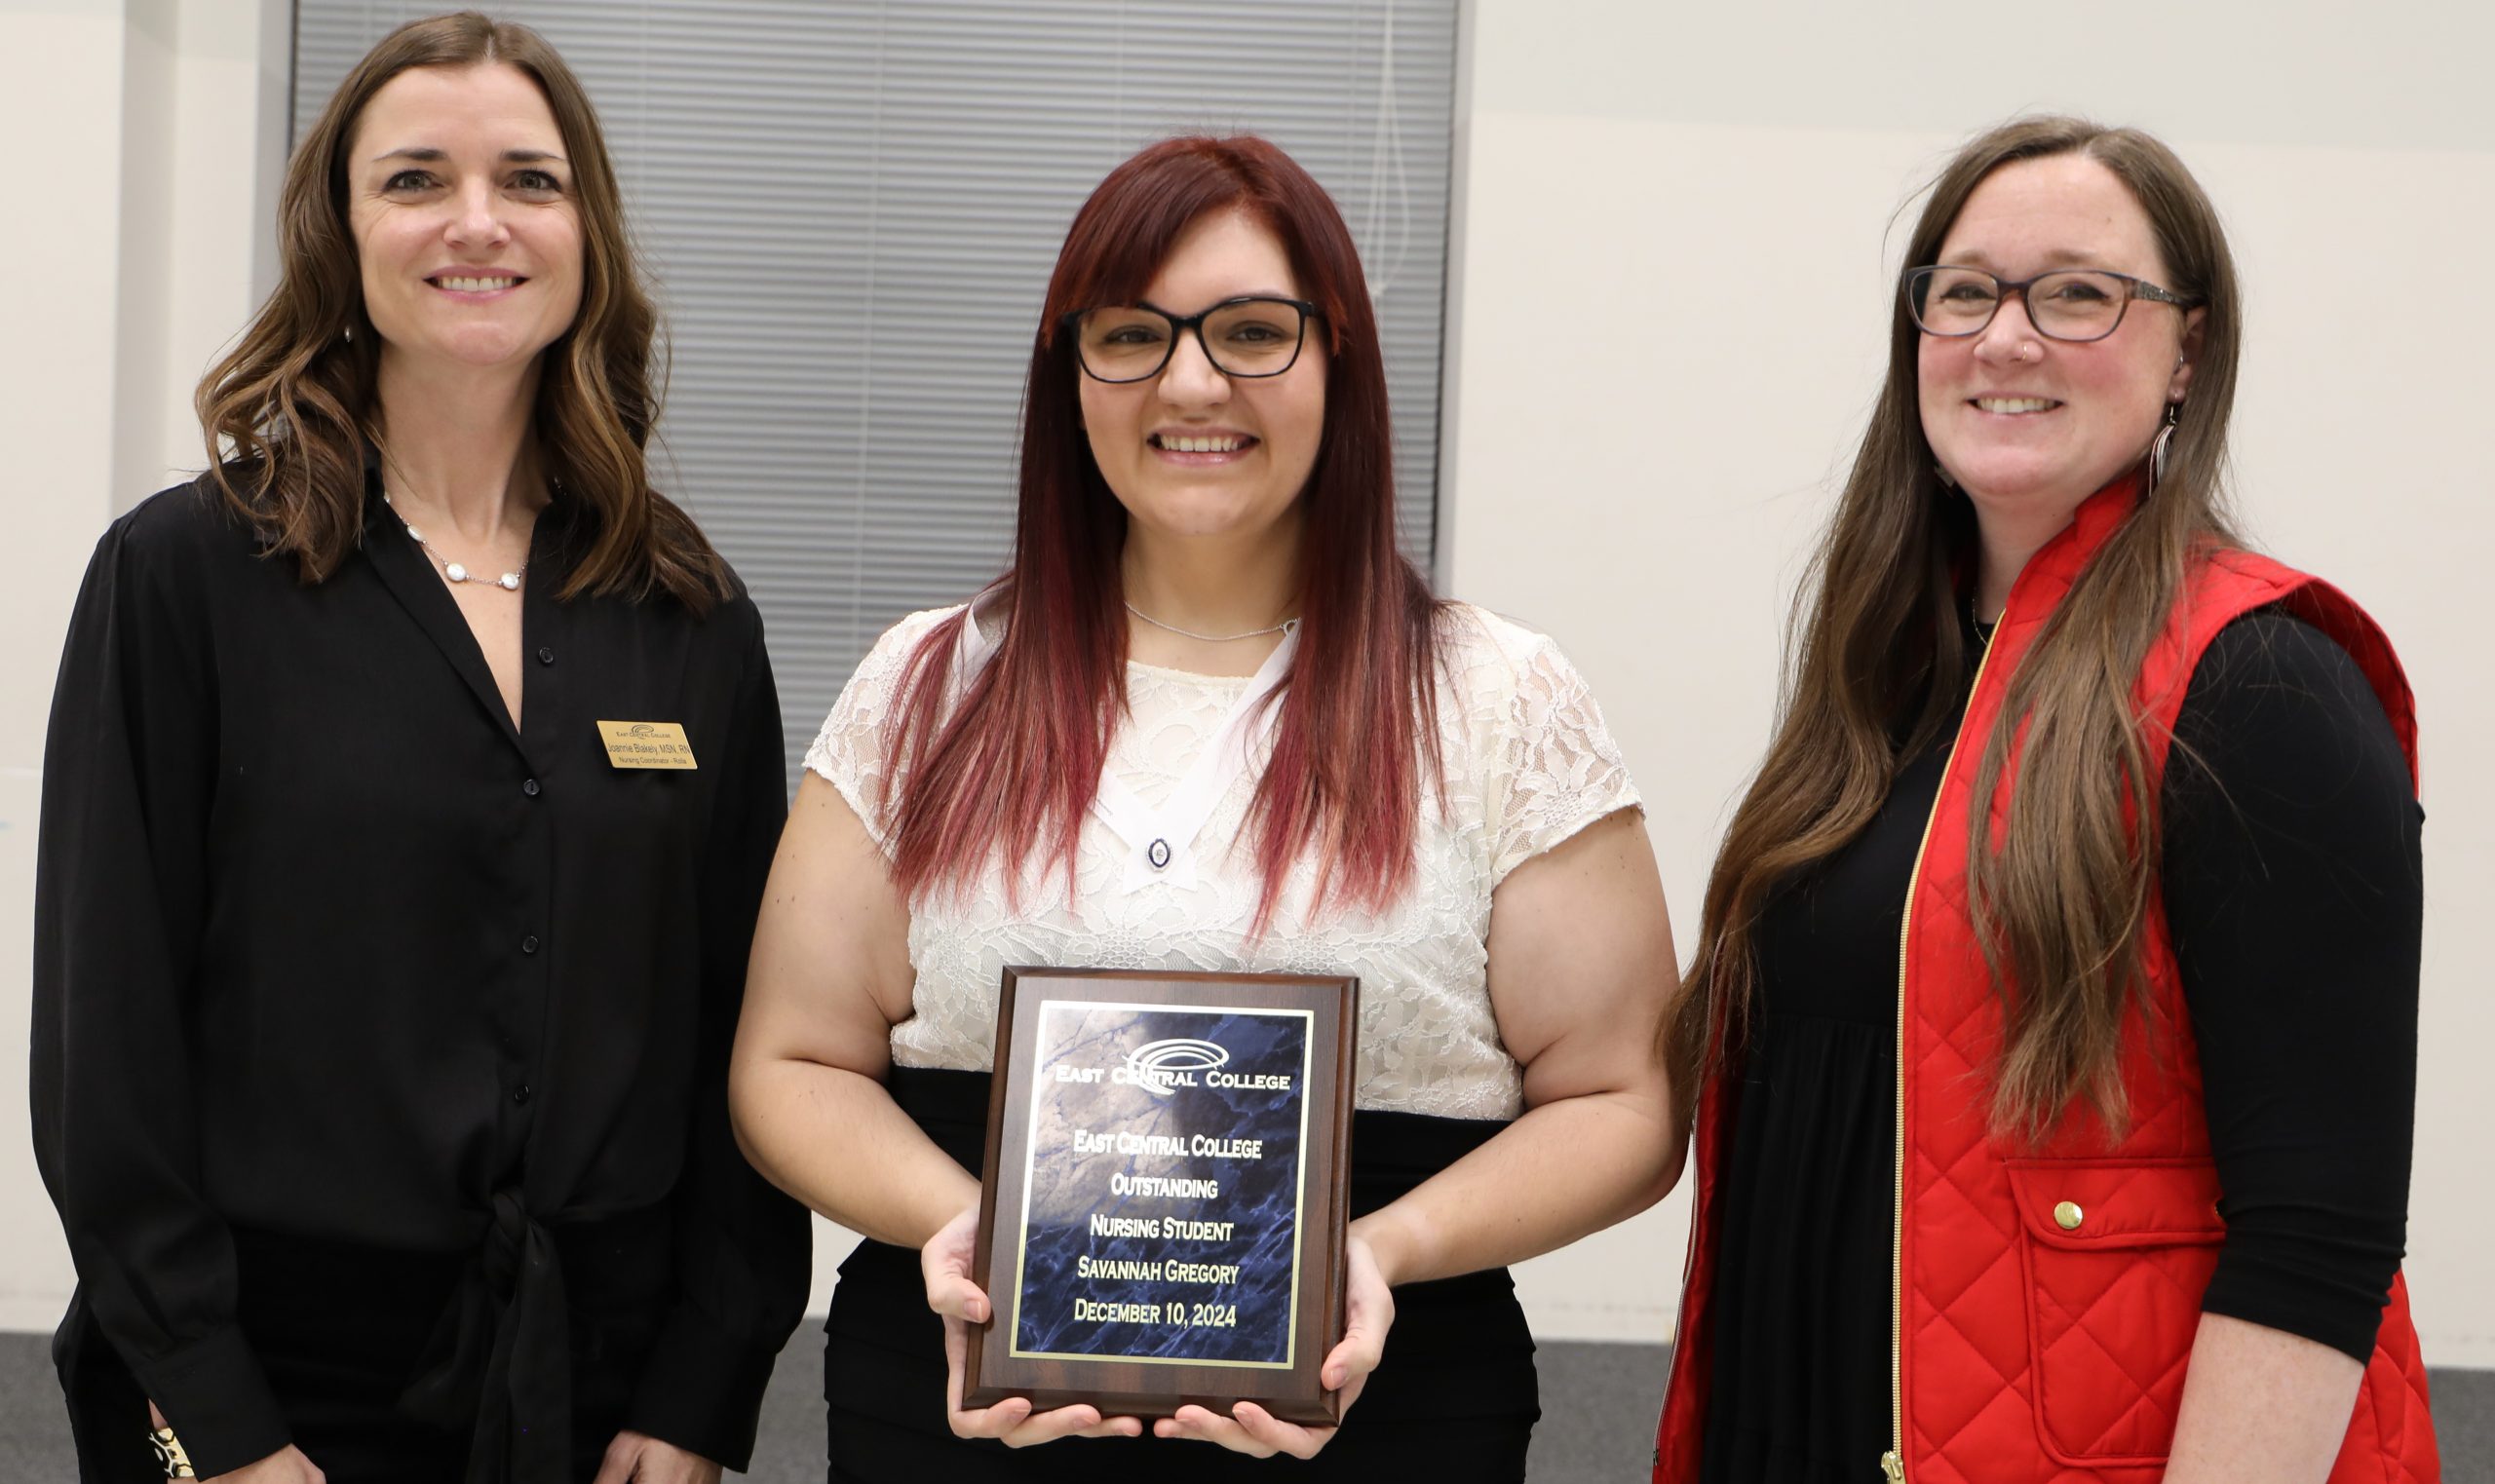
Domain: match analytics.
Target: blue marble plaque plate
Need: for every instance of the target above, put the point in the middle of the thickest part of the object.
(1164, 1197)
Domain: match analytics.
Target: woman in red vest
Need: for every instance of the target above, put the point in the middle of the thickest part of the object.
(2054, 1013)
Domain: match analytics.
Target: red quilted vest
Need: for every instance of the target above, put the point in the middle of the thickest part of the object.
(2048, 1297)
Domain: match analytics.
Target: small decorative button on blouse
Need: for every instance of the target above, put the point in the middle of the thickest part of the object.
(1158, 852)
(529, 787)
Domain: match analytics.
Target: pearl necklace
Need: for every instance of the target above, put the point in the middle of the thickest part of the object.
(1285, 626)
(456, 572)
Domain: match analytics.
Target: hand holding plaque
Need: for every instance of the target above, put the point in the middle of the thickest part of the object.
(1162, 1222)
(944, 1264)
(1369, 1312)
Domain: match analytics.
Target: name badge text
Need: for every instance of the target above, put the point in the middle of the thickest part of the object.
(646, 744)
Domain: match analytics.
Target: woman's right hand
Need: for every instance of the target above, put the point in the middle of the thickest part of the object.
(946, 1262)
(286, 1466)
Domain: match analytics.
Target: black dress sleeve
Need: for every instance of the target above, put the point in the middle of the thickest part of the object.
(2293, 888)
(743, 1251)
(131, 768)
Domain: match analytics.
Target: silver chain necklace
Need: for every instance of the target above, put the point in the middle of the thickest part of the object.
(1983, 630)
(1285, 626)
(456, 572)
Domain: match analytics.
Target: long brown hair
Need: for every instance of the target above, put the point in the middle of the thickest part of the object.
(295, 399)
(1875, 671)
(1018, 760)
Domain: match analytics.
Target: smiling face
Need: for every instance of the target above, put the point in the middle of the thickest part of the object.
(1192, 453)
(466, 228)
(2033, 426)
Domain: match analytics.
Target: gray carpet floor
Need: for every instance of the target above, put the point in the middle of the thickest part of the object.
(1598, 1416)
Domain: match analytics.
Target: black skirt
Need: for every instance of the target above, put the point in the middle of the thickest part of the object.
(1455, 1399)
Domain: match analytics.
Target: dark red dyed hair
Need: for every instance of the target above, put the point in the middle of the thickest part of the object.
(1016, 765)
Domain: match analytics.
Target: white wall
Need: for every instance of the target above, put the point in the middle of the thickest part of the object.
(147, 142)
(1637, 460)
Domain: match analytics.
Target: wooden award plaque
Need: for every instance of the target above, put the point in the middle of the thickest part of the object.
(1164, 1203)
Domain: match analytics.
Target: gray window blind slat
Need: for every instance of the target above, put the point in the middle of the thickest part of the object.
(807, 178)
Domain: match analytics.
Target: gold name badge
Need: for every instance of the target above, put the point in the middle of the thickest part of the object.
(646, 744)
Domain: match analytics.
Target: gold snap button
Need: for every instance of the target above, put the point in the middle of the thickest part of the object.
(2067, 1216)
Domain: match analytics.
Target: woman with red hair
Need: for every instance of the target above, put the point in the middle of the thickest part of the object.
(1210, 719)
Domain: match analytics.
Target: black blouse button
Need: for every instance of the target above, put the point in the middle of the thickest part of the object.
(528, 944)
(545, 656)
(530, 788)
(519, 1094)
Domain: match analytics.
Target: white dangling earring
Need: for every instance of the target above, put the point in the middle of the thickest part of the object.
(2156, 450)
(347, 334)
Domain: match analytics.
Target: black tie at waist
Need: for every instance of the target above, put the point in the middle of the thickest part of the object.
(500, 1364)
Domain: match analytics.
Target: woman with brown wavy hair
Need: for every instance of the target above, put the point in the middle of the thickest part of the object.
(2053, 1018)
(412, 778)
(1219, 723)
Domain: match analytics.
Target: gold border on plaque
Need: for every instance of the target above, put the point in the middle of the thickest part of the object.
(1298, 1186)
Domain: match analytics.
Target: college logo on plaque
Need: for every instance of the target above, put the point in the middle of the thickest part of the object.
(1161, 1220)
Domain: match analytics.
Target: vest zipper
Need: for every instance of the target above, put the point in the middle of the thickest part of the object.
(1892, 1464)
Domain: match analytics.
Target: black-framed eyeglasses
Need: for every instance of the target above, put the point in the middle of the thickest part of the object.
(1252, 335)
(2078, 304)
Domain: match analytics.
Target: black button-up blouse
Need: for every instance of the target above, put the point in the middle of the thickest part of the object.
(324, 946)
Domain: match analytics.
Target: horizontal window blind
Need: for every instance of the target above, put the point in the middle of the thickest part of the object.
(849, 213)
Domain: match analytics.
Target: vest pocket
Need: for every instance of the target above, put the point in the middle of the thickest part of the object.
(2116, 1254)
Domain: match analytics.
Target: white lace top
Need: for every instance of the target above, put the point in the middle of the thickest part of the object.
(1528, 763)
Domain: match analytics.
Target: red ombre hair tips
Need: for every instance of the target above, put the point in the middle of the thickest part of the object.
(1008, 768)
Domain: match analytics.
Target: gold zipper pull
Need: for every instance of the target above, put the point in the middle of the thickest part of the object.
(1892, 1468)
